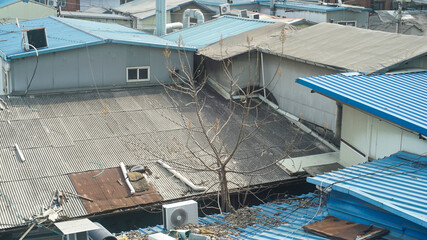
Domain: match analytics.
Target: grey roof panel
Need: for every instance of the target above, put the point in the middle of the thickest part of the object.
(75, 132)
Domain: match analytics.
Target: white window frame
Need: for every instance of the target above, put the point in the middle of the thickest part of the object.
(346, 23)
(137, 74)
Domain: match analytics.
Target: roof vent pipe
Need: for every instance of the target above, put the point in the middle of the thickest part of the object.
(172, 26)
(160, 18)
(192, 13)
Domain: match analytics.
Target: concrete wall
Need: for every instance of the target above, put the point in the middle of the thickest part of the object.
(85, 4)
(367, 137)
(71, 69)
(25, 11)
(245, 71)
(295, 98)
(317, 17)
(149, 24)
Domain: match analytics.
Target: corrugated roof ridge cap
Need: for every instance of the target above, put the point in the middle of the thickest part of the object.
(79, 29)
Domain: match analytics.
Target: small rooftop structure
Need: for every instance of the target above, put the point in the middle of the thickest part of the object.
(74, 34)
(398, 98)
(335, 46)
(147, 8)
(389, 192)
(213, 31)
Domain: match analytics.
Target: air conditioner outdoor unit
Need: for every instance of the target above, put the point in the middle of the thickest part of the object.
(224, 9)
(179, 214)
(254, 16)
(243, 13)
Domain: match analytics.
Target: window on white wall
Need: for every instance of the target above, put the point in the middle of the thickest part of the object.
(347, 23)
(138, 74)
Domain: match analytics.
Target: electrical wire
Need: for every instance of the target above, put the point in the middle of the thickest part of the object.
(35, 68)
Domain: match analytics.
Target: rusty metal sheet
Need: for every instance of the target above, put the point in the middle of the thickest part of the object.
(335, 228)
(107, 193)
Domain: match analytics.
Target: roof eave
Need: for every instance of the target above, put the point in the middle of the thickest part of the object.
(364, 107)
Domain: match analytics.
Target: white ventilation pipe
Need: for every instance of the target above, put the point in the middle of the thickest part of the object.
(172, 26)
(182, 178)
(192, 13)
(125, 174)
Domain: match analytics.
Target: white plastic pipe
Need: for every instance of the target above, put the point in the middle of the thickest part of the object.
(19, 152)
(182, 178)
(122, 166)
(192, 13)
(172, 26)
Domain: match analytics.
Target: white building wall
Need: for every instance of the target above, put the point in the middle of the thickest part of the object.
(317, 17)
(366, 137)
(280, 76)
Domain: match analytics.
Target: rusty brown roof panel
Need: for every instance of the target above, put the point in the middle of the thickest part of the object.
(335, 228)
(107, 193)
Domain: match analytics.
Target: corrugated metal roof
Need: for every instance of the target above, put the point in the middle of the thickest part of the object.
(201, 35)
(396, 184)
(289, 216)
(61, 134)
(353, 49)
(4, 3)
(64, 33)
(399, 98)
(109, 191)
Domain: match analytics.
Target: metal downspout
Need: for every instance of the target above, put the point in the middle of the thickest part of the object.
(262, 75)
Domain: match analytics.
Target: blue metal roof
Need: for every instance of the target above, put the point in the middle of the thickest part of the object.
(292, 216)
(7, 2)
(399, 98)
(64, 33)
(396, 184)
(204, 34)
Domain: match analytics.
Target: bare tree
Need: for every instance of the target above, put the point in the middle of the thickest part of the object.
(218, 143)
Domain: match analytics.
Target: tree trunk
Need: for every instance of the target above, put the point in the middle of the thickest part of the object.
(224, 191)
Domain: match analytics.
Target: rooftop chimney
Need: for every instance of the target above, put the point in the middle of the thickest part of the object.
(160, 18)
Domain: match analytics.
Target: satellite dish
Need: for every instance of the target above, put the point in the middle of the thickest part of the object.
(179, 217)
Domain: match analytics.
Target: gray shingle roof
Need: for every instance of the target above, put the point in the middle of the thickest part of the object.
(66, 133)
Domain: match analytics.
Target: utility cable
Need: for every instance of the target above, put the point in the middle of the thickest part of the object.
(35, 68)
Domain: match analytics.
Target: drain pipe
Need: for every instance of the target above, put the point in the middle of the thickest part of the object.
(262, 75)
(172, 26)
(182, 178)
(192, 13)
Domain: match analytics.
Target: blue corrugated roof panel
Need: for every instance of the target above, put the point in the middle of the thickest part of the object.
(395, 184)
(399, 98)
(204, 34)
(291, 216)
(63, 34)
(7, 2)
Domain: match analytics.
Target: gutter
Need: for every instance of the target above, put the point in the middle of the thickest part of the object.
(294, 119)
(181, 177)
